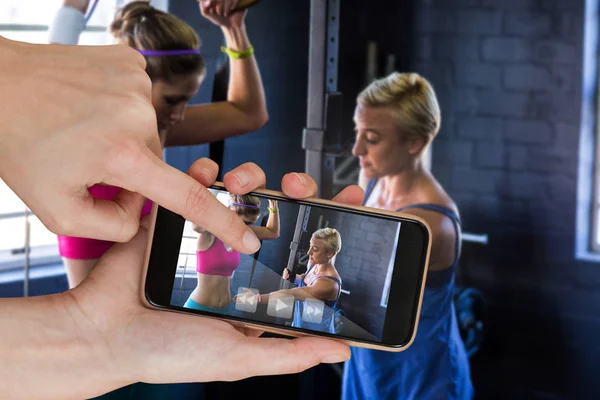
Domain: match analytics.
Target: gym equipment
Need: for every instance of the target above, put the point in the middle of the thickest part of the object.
(322, 135)
(470, 314)
(263, 223)
(216, 150)
(244, 4)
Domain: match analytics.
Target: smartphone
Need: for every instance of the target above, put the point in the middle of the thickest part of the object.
(351, 273)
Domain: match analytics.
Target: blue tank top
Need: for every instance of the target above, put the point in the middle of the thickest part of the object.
(435, 366)
(327, 323)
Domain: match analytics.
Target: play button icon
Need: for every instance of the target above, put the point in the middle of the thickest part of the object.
(281, 306)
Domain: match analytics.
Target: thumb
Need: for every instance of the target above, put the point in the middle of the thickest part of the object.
(114, 220)
(284, 356)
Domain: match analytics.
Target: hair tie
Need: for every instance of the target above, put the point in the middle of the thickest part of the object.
(244, 205)
(167, 53)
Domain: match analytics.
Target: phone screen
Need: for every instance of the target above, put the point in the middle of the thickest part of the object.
(319, 269)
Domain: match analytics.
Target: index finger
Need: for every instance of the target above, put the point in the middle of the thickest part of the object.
(300, 186)
(182, 194)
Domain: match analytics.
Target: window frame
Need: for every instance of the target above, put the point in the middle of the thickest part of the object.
(587, 222)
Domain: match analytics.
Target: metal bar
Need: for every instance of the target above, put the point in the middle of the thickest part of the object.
(18, 214)
(475, 238)
(331, 85)
(27, 245)
(333, 30)
(43, 28)
(303, 213)
(316, 85)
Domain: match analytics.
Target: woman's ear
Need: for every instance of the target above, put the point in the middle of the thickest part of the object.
(416, 145)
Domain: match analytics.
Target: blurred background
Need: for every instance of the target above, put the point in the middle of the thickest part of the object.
(517, 150)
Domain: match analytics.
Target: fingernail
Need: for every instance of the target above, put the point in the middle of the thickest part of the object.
(250, 241)
(334, 359)
(242, 178)
(302, 180)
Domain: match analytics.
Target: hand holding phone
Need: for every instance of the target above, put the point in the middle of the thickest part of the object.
(106, 313)
(364, 271)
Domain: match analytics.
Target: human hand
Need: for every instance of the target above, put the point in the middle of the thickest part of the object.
(92, 122)
(142, 344)
(247, 292)
(286, 274)
(81, 5)
(220, 12)
(273, 204)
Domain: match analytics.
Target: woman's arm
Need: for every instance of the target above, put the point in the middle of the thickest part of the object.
(81, 5)
(245, 109)
(68, 23)
(323, 289)
(271, 231)
(443, 244)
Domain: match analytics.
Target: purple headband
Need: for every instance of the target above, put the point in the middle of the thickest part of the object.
(167, 53)
(244, 205)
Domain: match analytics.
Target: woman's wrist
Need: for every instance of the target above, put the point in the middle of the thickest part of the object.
(236, 38)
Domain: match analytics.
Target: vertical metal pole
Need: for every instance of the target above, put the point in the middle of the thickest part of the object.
(331, 86)
(301, 222)
(322, 80)
(27, 259)
(313, 135)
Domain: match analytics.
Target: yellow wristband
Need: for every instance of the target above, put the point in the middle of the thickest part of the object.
(273, 210)
(235, 55)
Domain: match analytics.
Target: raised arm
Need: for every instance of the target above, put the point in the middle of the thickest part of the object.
(271, 231)
(245, 109)
(68, 23)
(81, 5)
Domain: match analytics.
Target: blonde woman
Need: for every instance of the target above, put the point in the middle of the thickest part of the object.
(396, 118)
(321, 282)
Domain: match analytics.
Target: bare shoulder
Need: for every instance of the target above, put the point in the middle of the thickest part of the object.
(443, 228)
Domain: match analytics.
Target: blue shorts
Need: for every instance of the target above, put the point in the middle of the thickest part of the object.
(228, 310)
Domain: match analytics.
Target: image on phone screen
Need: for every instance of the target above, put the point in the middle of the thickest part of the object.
(319, 269)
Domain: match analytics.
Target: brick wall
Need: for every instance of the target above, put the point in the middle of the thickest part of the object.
(508, 75)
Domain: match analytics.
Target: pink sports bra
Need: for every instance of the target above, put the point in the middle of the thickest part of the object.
(83, 248)
(217, 260)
